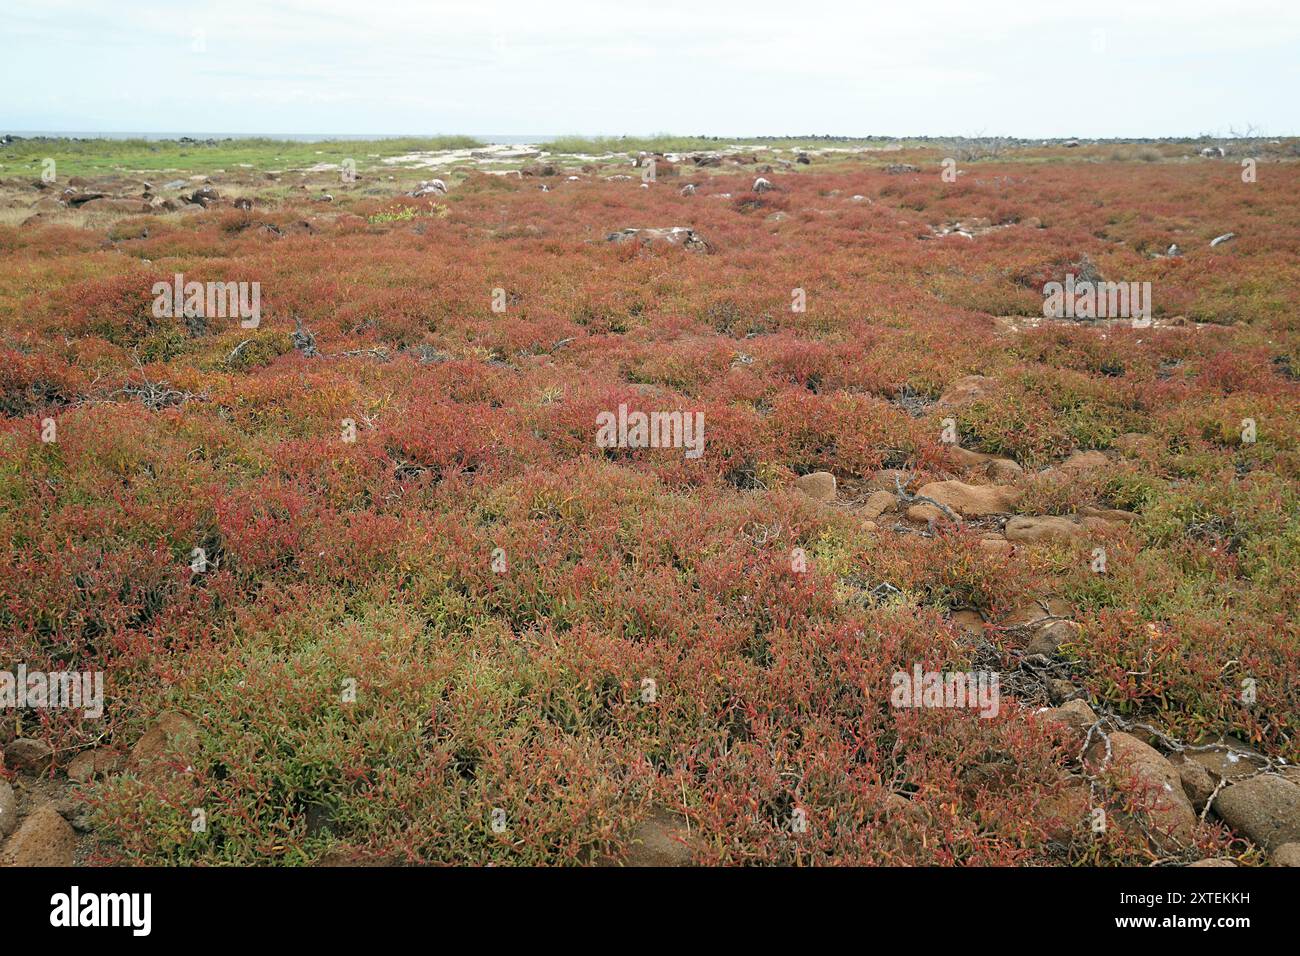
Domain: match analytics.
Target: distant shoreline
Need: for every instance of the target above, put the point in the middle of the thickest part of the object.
(495, 139)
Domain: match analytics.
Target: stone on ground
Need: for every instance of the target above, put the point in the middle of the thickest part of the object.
(819, 485)
(1170, 810)
(1265, 808)
(44, 839)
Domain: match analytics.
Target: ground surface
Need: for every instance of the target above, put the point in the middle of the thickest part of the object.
(498, 589)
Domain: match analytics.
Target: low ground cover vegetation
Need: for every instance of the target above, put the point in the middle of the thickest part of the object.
(363, 585)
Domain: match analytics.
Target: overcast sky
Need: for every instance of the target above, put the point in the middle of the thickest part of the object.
(992, 67)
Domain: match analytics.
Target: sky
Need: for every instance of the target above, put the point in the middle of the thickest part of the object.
(1103, 68)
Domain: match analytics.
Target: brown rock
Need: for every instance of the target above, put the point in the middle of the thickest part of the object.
(1065, 813)
(205, 196)
(1288, 854)
(44, 839)
(173, 738)
(1061, 690)
(1076, 717)
(924, 514)
(877, 503)
(1232, 760)
(885, 477)
(972, 500)
(8, 809)
(1212, 862)
(31, 756)
(92, 763)
(1097, 524)
(1196, 780)
(967, 389)
(1265, 808)
(965, 458)
(819, 485)
(1025, 529)
(1170, 810)
(1049, 638)
(968, 621)
(1003, 469)
(998, 469)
